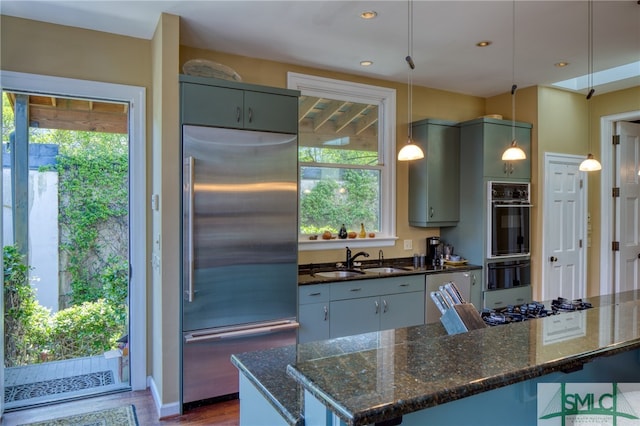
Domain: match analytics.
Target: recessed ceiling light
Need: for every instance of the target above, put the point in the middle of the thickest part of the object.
(561, 64)
(366, 63)
(484, 43)
(368, 14)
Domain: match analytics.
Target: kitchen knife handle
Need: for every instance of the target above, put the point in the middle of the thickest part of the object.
(437, 299)
(190, 291)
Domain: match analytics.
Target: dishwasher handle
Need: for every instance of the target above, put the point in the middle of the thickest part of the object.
(243, 331)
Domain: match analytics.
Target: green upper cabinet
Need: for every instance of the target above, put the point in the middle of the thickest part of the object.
(495, 136)
(221, 103)
(434, 181)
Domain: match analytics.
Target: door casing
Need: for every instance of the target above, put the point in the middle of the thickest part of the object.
(135, 96)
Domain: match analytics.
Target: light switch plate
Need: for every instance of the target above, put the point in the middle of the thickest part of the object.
(408, 244)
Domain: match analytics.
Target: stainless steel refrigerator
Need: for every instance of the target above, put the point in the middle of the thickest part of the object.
(239, 252)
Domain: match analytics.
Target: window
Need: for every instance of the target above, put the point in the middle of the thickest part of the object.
(347, 161)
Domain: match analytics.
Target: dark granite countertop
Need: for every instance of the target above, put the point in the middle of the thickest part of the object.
(307, 274)
(422, 366)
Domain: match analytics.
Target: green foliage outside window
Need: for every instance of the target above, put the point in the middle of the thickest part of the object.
(338, 186)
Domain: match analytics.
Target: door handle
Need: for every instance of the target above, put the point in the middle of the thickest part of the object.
(553, 259)
(190, 163)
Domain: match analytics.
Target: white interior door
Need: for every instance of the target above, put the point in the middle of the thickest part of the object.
(564, 225)
(627, 261)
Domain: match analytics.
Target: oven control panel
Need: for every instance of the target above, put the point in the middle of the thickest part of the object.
(509, 192)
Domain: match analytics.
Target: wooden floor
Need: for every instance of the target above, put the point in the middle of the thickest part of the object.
(223, 413)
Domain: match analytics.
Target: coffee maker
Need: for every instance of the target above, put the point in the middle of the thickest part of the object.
(434, 250)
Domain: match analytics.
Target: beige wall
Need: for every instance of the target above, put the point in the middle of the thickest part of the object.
(164, 310)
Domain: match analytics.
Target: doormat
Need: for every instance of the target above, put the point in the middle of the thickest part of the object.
(56, 386)
(119, 416)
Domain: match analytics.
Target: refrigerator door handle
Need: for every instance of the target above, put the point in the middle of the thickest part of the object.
(241, 332)
(190, 291)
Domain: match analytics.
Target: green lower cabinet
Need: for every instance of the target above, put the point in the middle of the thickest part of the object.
(360, 306)
(314, 322)
(313, 313)
(354, 316)
(402, 310)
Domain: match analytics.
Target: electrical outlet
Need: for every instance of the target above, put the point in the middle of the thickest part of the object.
(408, 244)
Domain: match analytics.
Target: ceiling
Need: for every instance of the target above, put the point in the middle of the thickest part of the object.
(331, 35)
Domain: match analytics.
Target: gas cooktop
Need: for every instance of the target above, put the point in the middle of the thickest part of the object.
(532, 310)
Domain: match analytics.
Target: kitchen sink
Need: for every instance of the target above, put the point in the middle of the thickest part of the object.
(385, 270)
(339, 274)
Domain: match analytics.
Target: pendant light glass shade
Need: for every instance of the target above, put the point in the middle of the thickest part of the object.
(410, 151)
(514, 152)
(590, 164)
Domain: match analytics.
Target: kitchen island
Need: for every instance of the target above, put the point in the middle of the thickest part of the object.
(419, 375)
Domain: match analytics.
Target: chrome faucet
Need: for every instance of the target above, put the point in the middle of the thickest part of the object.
(350, 259)
(380, 257)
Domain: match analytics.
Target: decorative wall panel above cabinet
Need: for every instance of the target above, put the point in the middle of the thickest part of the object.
(434, 181)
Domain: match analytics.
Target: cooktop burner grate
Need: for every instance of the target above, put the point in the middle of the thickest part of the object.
(532, 310)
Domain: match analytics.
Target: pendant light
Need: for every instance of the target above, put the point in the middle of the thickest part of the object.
(410, 151)
(590, 164)
(514, 152)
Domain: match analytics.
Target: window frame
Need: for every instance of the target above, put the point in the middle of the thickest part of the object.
(385, 99)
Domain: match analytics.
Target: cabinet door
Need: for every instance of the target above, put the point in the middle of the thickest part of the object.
(270, 112)
(434, 181)
(511, 296)
(211, 106)
(314, 322)
(475, 295)
(354, 316)
(402, 310)
(497, 138)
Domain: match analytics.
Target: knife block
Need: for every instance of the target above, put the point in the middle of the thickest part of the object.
(462, 318)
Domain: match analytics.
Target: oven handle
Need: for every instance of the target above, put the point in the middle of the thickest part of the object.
(518, 266)
(512, 205)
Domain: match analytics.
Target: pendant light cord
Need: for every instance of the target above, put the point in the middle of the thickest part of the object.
(513, 73)
(411, 64)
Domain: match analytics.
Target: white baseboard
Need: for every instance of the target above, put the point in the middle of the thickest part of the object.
(164, 410)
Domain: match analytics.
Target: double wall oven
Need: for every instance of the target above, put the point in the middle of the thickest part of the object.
(508, 235)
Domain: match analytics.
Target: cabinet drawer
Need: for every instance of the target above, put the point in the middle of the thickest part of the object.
(357, 288)
(403, 284)
(511, 296)
(313, 293)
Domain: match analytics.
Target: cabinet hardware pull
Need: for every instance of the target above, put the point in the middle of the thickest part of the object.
(384, 303)
(404, 285)
(430, 211)
(505, 169)
(356, 289)
(377, 307)
(498, 303)
(315, 294)
(238, 114)
(326, 312)
(250, 115)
